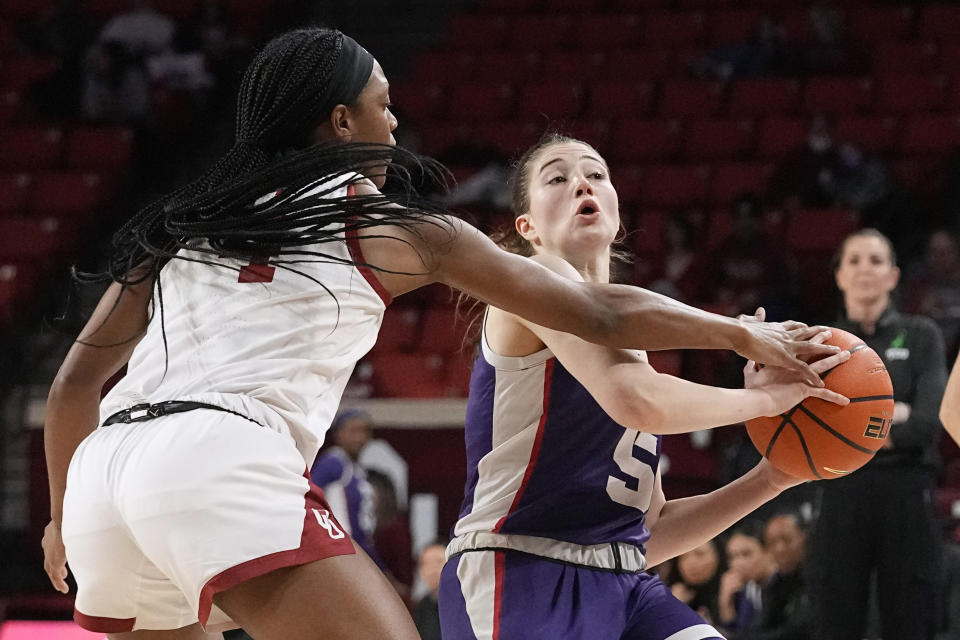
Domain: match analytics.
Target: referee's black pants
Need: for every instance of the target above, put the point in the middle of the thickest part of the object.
(880, 519)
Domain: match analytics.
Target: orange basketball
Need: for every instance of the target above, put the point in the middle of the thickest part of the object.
(819, 440)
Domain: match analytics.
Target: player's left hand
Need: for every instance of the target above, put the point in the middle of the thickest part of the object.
(779, 480)
(55, 557)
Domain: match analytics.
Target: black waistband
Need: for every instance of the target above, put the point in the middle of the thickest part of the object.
(145, 411)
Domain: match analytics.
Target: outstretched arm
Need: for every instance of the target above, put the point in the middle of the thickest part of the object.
(102, 348)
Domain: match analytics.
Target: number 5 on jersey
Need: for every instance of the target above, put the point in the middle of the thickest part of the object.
(617, 489)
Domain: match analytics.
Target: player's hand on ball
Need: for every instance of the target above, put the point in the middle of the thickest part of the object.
(787, 344)
(55, 557)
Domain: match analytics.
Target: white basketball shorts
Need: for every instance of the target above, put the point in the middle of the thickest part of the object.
(161, 515)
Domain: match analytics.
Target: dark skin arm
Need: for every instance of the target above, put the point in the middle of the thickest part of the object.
(103, 347)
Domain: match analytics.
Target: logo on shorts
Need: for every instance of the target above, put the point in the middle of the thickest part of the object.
(325, 521)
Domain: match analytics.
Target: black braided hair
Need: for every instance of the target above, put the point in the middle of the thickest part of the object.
(277, 110)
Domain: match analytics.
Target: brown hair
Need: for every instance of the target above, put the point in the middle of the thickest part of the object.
(868, 232)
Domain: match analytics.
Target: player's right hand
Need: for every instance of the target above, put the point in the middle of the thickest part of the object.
(55, 557)
(787, 344)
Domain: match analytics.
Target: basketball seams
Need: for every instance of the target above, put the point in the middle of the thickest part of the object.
(835, 433)
(803, 445)
(869, 398)
(776, 434)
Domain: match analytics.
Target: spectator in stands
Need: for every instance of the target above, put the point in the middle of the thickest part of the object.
(751, 566)
(765, 52)
(786, 612)
(142, 29)
(889, 502)
(932, 285)
(696, 580)
(426, 613)
(800, 177)
(827, 50)
(115, 86)
(391, 537)
(344, 482)
(676, 270)
(751, 267)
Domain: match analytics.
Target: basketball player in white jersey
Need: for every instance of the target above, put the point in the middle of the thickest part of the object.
(240, 304)
(564, 508)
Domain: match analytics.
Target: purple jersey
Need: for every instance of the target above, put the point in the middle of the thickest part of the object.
(349, 494)
(543, 459)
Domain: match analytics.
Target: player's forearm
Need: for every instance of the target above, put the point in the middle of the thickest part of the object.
(686, 523)
(72, 413)
(950, 405)
(643, 319)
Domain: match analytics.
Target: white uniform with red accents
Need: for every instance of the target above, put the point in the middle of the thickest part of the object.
(160, 515)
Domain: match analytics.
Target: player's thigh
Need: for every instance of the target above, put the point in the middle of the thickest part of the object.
(339, 597)
(656, 614)
(192, 632)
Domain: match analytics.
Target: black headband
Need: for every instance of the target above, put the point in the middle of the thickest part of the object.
(350, 75)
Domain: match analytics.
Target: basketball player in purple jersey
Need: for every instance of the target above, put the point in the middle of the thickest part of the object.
(564, 508)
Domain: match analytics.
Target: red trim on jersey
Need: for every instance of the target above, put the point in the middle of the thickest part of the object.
(357, 255)
(316, 543)
(256, 272)
(99, 624)
(498, 561)
(535, 452)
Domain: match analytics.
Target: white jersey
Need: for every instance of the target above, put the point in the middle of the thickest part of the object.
(264, 342)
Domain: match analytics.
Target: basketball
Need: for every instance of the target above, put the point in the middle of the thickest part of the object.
(818, 440)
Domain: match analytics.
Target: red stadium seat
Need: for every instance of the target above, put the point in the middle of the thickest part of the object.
(778, 135)
(617, 99)
(668, 362)
(940, 22)
(905, 57)
(578, 66)
(421, 99)
(481, 100)
(539, 32)
(511, 6)
(878, 133)
(435, 66)
(899, 93)
(673, 29)
(32, 239)
(612, 31)
(556, 99)
(440, 136)
(690, 98)
(949, 57)
(734, 26)
(6, 36)
(510, 137)
(711, 139)
(11, 105)
(820, 230)
(69, 194)
(400, 330)
(676, 186)
(445, 326)
(408, 375)
(762, 97)
(931, 133)
(14, 192)
(476, 32)
(512, 67)
(648, 234)
(873, 24)
(30, 148)
(642, 64)
(838, 95)
(732, 179)
(21, 72)
(645, 140)
(459, 366)
(99, 148)
(629, 181)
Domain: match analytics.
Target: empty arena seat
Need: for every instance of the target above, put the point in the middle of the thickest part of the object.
(400, 330)
(420, 99)
(30, 148)
(538, 31)
(105, 148)
(878, 133)
(927, 133)
(647, 236)
(940, 22)
(557, 100)
(682, 97)
(440, 136)
(668, 362)
(612, 31)
(511, 67)
(22, 71)
(580, 66)
(432, 66)
(658, 139)
(68, 194)
(820, 230)
(908, 92)
(476, 32)
(457, 370)
(481, 100)
(718, 138)
(778, 135)
(510, 138)
(643, 64)
(764, 96)
(905, 57)
(673, 28)
(32, 239)
(838, 95)
(14, 192)
(734, 26)
(873, 24)
(615, 99)
(444, 327)
(734, 178)
(408, 375)
(676, 186)
(11, 104)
